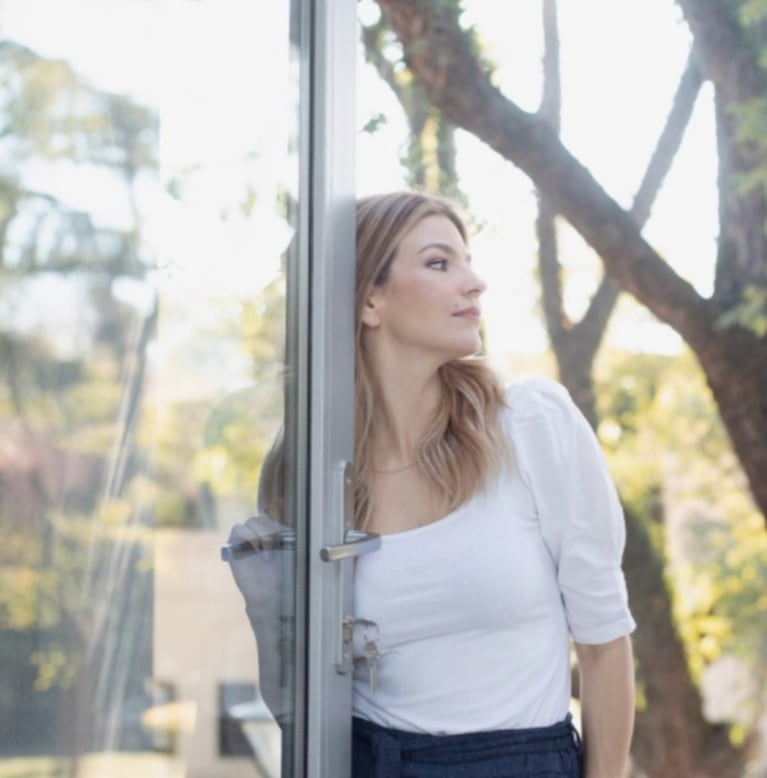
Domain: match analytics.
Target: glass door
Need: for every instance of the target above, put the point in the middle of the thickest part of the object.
(176, 278)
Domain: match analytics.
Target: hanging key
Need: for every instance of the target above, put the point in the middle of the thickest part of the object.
(372, 652)
(368, 647)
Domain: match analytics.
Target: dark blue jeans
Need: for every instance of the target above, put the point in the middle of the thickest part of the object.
(545, 752)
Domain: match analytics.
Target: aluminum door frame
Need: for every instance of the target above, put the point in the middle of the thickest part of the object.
(328, 130)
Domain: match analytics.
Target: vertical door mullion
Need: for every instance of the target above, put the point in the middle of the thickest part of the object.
(332, 139)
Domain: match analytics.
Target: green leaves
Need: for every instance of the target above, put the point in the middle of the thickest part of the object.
(673, 462)
(374, 123)
(753, 11)
(750, 313)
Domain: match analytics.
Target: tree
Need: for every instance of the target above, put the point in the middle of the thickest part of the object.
(430, 159)
(731, 353)
(673, 736)
(71, 408)
(90, 466)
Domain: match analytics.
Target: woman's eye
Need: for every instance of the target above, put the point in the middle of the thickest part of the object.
(437, 264)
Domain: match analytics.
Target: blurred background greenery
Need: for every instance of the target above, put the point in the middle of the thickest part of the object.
(142, 305)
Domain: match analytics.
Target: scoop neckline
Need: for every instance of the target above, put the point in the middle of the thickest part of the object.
(448, 518)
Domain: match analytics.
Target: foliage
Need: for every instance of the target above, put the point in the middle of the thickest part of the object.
(63, 394)
(752, 11)
(672, 460)
(751, 115)
(51, 115)
(103, 464)
(428, 159)
(374, 123)
(750, 313)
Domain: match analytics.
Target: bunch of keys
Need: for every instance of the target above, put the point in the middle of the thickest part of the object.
(371, 648)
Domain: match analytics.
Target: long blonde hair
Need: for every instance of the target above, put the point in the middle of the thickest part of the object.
(464, 445)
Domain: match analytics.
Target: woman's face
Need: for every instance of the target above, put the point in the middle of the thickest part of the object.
(430, 301)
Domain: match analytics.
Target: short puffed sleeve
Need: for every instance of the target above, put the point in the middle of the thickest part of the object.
(580, 516)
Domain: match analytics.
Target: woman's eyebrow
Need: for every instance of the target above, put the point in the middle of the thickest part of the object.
(442, 247)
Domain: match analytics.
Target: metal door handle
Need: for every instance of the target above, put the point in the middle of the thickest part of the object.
(355, 543)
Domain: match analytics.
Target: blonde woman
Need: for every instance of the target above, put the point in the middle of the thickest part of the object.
(502, 533)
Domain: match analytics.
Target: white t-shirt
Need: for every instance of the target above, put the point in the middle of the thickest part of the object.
(475, 611)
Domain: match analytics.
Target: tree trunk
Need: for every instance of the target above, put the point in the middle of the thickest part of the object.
(438, 53)
(430, 158)
(670, 729)
(671, 738)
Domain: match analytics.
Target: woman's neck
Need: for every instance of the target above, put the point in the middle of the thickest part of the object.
(405, 406)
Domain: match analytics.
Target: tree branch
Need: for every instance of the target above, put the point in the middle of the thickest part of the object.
(669, 141)
(730, 54)
(430, 157)
(549, 266)
(727, 57)
(551, 99)
(371, 41)
(550, 273)
(438, 54)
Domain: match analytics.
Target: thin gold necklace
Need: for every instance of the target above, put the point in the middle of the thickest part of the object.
(395, 469)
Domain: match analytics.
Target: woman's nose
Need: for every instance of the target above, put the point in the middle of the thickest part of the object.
(474, 284)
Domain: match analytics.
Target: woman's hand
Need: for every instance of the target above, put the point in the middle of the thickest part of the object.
(264, 575)
(607, 706)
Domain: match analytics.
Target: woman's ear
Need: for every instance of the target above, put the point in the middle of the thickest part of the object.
(370, 311)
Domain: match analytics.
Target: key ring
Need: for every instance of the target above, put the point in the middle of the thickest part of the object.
(363, 631)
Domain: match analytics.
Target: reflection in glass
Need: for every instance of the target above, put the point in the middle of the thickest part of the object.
(144, 200)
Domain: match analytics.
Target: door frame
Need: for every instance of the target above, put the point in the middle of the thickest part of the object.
(328, 138)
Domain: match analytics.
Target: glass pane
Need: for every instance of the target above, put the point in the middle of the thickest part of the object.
(148, 186)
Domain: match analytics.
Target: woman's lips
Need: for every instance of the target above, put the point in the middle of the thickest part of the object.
(469, 313)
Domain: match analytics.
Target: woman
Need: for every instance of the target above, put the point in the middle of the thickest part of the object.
(501, 537)
(502, 534)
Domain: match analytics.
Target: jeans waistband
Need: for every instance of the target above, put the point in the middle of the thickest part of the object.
(389, 748)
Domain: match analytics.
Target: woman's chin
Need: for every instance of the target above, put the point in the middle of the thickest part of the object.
(463, 351)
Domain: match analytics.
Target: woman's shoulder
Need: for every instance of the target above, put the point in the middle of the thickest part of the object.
(540, 419)
(536, 398)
